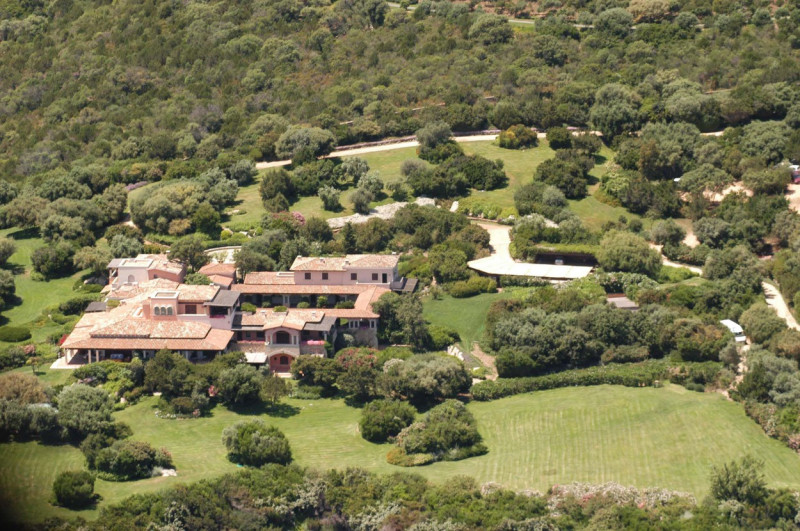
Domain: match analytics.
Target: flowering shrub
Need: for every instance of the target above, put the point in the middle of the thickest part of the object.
(585, 493)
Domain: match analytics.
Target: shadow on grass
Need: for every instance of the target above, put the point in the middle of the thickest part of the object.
(273, 410)
(25, 234)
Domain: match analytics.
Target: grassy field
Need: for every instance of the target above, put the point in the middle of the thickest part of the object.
(468, 316)
(665, 437)
(33, 296)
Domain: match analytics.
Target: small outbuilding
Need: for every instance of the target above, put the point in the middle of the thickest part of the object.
(736, 330)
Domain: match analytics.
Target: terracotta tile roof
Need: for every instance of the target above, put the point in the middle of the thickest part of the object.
(269, 277)
(344, 263)
(193, 293)
(227, 270)
(158, 262)
(363, 305)
(127, 292)
(216, 339)
(294, 319)
(153, 329)
(222, 281)
(301, 289)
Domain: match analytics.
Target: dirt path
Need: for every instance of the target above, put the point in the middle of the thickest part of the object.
(776, 302)
(793, 196)
(486, 360)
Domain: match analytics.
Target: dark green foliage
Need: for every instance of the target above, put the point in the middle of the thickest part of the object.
(54, 259)
(448, 432)
(74, 489)
(424, 379)
(197, 279)
(629, 375)
(568, 177)
(623, 251)
(254, 443)
(127, 460)
(240, 385)
(168, 374)
(84, 410)
(311, 371)
(740, 481)
(14, 334)
(383, 419)
(559, 138)
(471, 287)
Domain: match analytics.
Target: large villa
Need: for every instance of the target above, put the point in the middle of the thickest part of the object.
(148, 308)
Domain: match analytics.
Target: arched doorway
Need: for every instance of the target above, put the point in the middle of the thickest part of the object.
(280, 363)
(283, 338)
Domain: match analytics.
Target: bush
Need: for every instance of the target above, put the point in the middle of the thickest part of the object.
(280, 309)
(13, 357)
(448, 431)
(442, 337)
(471, 287)
(76, 305)
(517, 137)
(127, 460)
(14, 334)
(383, 419)
(629, 375)
(254, 443)
(240, 384)
(74, 489)
(249, 307)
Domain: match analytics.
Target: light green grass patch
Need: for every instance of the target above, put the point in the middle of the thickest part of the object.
(667, 437)
(35, 295)
(467, 316)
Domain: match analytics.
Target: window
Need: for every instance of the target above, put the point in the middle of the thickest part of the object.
(324, 276)
(156, 311)
(169, 310)
(307, 276)
(190, 308)
(375, 276)
(353, 276)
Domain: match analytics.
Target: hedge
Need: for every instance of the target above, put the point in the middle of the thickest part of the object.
(14, 334)
(629, 375)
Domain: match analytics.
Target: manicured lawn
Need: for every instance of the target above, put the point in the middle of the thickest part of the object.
(667, 437)
(468, 316)
(34, 296)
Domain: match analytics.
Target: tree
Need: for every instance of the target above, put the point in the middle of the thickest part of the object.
(273, 388)
(206, 219)
(491, 29)
(168, 373)
(243, 172)
(330, 198)
(765, 140)
(24, 211)
(448, 426)
(317, 230)
(382, 419)
(95, 259)
(7, 248)
(7, 287)
(425, 379)
(53, 259)
(361, 199)
(767, 181)
(666, 231)
(761, 323)
(126, 460)
(627, 252)
(84, 410)
(742, 481)
(517, 137)
(123, 246)
(74, 489)
(306, 142)
(21, 388)
(614, 111)
(276, 182)
(566, 176)
(352, 169)
(197, 279)
(434, 134)
(615, 22)
(372, 183)
(191, 251)
(254, 443)
(248, 260)
(559, 138)
(240, 385)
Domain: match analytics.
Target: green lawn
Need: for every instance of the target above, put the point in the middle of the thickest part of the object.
(34, 296)
(665, 437)
(468, 316)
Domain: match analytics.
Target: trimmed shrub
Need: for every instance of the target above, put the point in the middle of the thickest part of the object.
(76, 305)
(14, 334)
(254, 443)
(249, 307)
(442, 336)
(471, 287)
(448, 431)
(74, 489)
(127, 460)
(383, 419)
(629, 375)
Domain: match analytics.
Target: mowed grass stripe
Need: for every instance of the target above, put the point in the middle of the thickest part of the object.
(666, 437)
